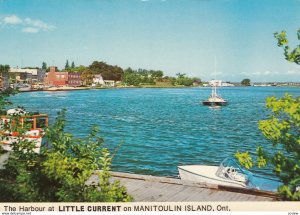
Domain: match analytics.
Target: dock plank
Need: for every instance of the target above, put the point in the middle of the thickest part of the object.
(144, 188)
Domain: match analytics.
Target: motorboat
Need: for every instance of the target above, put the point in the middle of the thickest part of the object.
(215, 99)
(23, 87)
(229, 173)
(32, 124)
(19, 118)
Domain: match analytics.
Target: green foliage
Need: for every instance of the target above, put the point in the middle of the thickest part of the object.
(245, 159)
(246, 82)
(131, 77)
(87, 76)
(141, 77)
(107, 71)
(73, 65)
(67, 66)
(4, 95)
(61, 171)
(4, 68)
(292, 55)
(282, 130)
(44, 65)
(182, 80)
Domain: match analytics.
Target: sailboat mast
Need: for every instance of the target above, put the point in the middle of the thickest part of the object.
(214, 89)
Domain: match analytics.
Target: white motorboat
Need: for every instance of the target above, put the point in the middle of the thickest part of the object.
(35, 124)
(229, 173)
(23, 87)
(18, 118)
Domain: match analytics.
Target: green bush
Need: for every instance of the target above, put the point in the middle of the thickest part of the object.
(61, 171)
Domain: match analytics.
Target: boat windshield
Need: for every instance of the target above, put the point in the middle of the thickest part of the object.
(230, 169)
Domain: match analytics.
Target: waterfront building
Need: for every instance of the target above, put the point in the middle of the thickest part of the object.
(227, 84)
(110, 83)
(217, 83)
(27, 75)
(74, 79)
(55, 78)
(4, 80)
(98, 80)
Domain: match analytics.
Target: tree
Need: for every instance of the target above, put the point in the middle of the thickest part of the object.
(66, 166)
(67, 65)
(73, 65)
(44, 66)
(282, 41)
(184, 81)
(107, 71)
(87, 76)
(4, 95)
(4, 68)
(282, 130)
(131, 77)
(179, 75)
(246, 82)
(157, 74)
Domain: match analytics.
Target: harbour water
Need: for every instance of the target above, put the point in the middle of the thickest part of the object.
(162, 128)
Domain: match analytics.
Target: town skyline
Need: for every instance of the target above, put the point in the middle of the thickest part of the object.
(172, 36)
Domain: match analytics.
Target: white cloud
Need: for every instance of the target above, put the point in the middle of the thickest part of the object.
(27, 25)
(293, 72)
(260, 73)
(30, 30)
(38, 24)
(12, 20)
(267, 72)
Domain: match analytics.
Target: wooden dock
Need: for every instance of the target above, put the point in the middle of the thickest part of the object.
(145, 188)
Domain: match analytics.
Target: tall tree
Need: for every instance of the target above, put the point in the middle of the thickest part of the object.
(44, 66)
(67, 66)
(73, 65)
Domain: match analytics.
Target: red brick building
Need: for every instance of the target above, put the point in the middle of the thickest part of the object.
(54, 78)
(74, 79)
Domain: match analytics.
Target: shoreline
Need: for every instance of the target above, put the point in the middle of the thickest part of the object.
(55, 89)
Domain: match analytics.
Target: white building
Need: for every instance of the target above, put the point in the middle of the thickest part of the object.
(217, 83)
(19, 70)
(98, 80)
(28, 74)
(226, 84)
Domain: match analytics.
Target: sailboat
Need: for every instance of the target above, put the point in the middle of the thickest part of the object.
(215, 99)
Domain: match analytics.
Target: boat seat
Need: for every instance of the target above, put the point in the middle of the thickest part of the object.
(232, 173)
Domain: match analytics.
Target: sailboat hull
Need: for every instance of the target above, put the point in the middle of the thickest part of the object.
(214, 103)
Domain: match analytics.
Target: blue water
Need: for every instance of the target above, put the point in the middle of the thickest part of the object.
(162, 128)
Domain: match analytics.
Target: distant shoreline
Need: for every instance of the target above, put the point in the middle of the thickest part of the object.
(135, 87)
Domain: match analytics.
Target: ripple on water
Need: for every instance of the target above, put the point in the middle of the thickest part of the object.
(161, 128)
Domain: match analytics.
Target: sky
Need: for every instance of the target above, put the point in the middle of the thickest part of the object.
(211, 39)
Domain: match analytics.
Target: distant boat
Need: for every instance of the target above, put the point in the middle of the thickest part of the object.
(23, 87)
(215, 99)
(229, 173)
